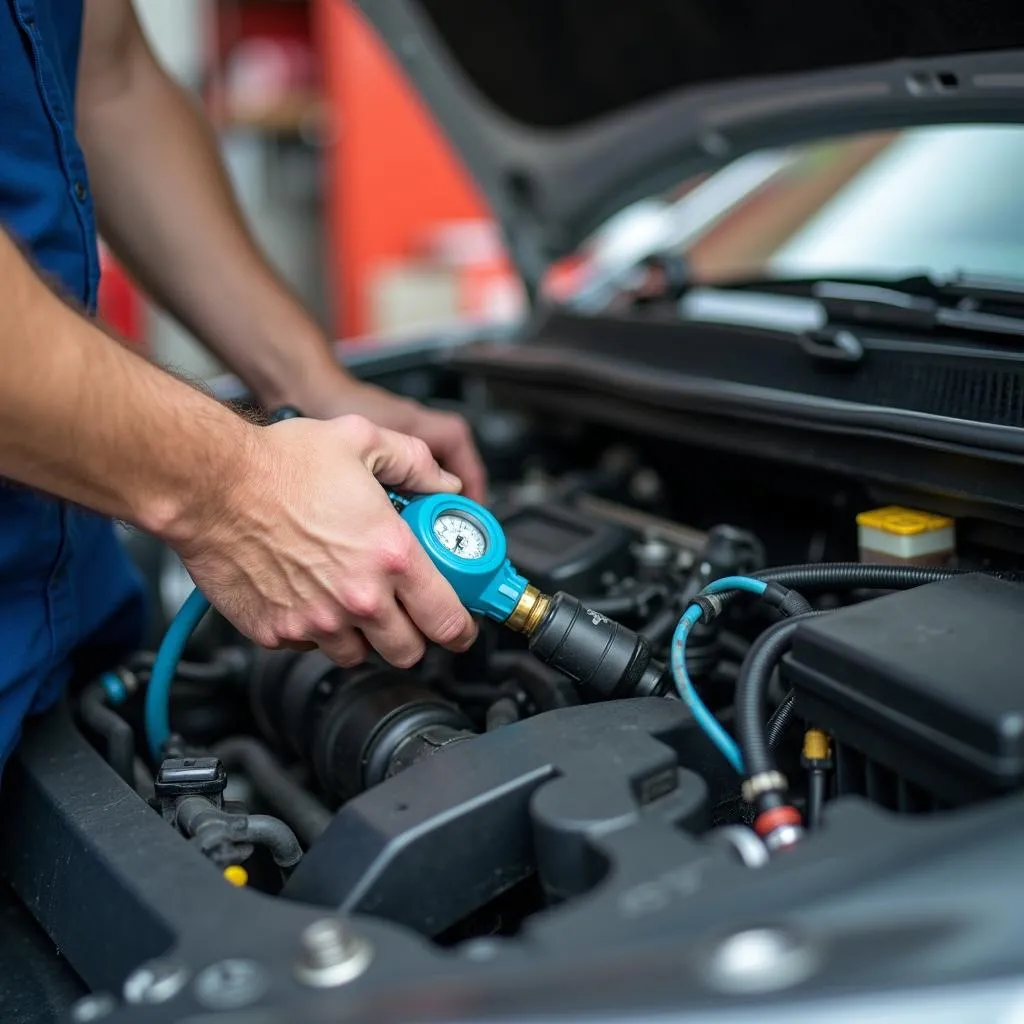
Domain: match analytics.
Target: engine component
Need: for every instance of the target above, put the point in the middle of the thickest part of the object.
(549, 797)
(190, 792)
(560, 548)
(182, 777)
(605, 659)
(354, 727)
(920, 692)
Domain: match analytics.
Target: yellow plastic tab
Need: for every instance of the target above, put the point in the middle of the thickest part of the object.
(903, 522)
(236, 875)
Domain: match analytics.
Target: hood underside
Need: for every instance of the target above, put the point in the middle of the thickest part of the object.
(566, 110)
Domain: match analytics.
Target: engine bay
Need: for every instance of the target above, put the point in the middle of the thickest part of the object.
(739, 701)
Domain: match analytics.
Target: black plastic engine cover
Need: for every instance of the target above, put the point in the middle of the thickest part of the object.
(430, 846)
(921, 691)
(560, 548)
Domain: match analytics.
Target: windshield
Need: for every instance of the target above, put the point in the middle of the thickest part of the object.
(934, 201)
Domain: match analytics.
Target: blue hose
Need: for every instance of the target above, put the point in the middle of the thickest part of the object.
(701, 713)
(688, 695)
(747, 583)
(158, 693)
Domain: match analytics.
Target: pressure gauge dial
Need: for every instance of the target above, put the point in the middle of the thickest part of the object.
(467, 544)
(459, 534)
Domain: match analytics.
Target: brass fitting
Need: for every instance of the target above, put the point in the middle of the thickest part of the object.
(816, 745)
(529, 613)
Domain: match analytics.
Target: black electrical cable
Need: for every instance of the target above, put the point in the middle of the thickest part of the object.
(116, 733)
(285, 797)
(817, 782)
(782, 718)
(846, 576)
(752, 686)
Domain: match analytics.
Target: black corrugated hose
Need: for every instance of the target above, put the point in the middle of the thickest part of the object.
(780, 721)
(847, 576)
(752, 688)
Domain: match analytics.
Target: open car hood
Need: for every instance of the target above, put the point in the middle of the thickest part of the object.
(566, 110)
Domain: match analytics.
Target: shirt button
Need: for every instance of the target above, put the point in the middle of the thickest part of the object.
(81, 191)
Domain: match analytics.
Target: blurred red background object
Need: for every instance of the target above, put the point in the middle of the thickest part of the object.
(120, 306)
(392, 176)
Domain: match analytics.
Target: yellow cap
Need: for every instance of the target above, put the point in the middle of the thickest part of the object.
(903, 522)
(236, 875)
(816, 745)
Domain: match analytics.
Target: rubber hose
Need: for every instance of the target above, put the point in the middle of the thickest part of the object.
(504, 711)
(157, 708)
(659, 628)
(782, 718)
(115, 732)
(220, 670)
(624, 604)
(848, 576)
(282, 794)
(277, 837)
(752, 687)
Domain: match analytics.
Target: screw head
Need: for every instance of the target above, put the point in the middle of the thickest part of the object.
(230, 984)
(94, 1007)
(761, 960)
(155, 982)
(331, 954)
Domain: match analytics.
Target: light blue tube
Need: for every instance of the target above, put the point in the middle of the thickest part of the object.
(701, 714)
(158, 693)
(747, 583)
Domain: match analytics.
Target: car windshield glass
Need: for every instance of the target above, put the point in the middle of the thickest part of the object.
(936, 201)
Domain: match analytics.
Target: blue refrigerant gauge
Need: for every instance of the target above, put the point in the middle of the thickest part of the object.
(467, 544)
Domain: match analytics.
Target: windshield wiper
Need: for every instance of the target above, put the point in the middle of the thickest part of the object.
(920, 303)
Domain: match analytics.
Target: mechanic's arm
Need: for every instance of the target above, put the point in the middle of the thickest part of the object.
(167, 209)
(285, 528)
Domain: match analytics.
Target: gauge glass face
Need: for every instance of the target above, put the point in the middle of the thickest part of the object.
(460, 535)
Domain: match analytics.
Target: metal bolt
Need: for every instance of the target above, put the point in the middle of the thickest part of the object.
(95, 1007)
(230, 984)
(332, 955)
(761, 960)
(155, 982)
(654, 553)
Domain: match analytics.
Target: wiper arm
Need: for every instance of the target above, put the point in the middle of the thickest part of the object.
(920, 303)
(906, 306)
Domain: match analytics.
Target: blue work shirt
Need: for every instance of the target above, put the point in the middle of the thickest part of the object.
(69, 598)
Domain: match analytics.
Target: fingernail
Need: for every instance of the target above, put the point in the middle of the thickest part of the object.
(450, 480)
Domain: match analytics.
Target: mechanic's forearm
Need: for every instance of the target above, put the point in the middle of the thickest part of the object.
(83, 418)
(167, 208)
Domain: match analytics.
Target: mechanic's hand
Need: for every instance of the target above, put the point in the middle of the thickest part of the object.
(309, 550)
(447, 434)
